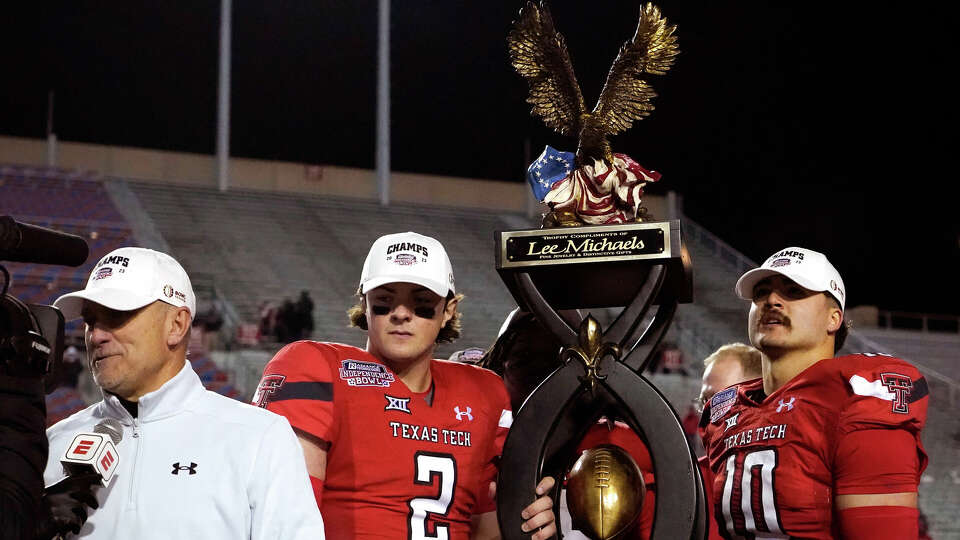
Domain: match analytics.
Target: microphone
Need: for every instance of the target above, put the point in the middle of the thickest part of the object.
(95, 452)
(22, 242)
(90, 461)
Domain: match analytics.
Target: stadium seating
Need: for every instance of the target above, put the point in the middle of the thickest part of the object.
(268, 246)
(213, 378)
(69, 201)
(75, 202)
(63, 402)
(937, 350)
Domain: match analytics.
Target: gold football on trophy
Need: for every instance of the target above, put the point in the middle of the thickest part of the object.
(605, 492)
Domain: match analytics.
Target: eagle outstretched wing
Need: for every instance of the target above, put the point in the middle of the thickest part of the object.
(539, 53)
(626, 96)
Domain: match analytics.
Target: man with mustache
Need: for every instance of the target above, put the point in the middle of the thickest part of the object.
(192, 463)
(821, 446)
(399, 444)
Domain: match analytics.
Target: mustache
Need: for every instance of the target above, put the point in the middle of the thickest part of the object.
(773, 314)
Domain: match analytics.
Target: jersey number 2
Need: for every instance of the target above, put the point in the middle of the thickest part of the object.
(742, 500)
(427, 466)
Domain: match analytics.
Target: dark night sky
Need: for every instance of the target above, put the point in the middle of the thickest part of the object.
(787, 124)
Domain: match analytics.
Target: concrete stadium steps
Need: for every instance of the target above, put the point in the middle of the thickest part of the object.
(940, 484)
(269, 246)
(716, 316)
(679, 390)
(940, 351)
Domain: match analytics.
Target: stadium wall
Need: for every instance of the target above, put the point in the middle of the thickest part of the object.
(281, 176)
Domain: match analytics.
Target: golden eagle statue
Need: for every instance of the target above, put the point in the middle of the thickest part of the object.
(539, 53)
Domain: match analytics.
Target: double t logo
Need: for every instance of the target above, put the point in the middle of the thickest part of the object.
(900, 386)
(269, 385)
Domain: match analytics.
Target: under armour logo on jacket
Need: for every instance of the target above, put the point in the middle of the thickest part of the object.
(177, 468)
(461, 414)
(788, 404)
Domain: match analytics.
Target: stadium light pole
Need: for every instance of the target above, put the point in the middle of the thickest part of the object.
(51, 136)
(383, 104)
(223, 98)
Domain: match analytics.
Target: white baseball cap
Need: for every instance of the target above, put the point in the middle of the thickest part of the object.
(809, 269)
(407, 258)
(129, 278)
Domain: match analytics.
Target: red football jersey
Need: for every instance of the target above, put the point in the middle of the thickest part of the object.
(400, 464)
(778, 461)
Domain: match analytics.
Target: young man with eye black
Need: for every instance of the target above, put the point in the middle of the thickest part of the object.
(821, 446)
(397, 443)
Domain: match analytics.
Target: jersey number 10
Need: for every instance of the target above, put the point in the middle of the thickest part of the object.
(752, 497)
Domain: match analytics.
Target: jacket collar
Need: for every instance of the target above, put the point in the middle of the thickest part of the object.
(172, 397)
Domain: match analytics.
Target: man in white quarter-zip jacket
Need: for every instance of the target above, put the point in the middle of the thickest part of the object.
(192, 463)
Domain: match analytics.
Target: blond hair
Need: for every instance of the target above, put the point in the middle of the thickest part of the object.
(749, 358)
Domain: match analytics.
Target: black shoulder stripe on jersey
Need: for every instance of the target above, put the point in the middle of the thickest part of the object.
(318, 391)
(919, 391)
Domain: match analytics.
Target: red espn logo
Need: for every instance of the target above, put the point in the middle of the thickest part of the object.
(83, 446)
(107, 460)
(86, 447)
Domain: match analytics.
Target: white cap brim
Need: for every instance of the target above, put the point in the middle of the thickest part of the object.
(440, 288)
(118, 299)
(749, 280)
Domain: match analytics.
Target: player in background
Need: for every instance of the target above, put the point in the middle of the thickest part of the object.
(731, 364)
(399, 444)
(820, 446)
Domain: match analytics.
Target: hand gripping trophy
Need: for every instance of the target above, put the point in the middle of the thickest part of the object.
(597, 248)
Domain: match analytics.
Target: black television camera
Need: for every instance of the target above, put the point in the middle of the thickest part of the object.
(31, 336)
(31, 350)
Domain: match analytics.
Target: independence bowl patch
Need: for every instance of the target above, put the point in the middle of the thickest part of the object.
(358, 373)
(721, 402)
(405, 259)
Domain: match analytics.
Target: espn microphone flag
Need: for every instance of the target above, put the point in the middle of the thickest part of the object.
(91, 451)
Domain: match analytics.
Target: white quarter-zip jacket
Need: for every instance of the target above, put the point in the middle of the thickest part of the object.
(195, 464)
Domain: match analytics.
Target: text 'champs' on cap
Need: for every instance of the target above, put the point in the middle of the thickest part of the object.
(408, 257)
(807, 268)
(129, 278)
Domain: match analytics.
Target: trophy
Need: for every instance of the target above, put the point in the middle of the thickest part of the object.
(597, 248)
